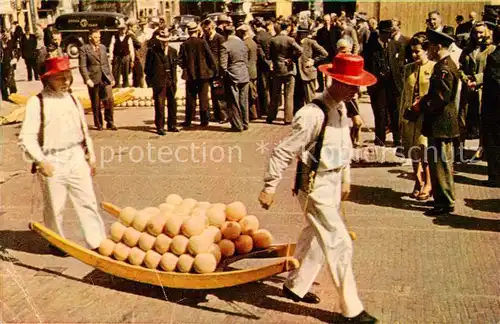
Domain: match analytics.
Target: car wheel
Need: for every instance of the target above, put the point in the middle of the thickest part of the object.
(72, 49)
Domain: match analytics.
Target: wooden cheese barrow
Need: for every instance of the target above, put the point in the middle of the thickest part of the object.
(218, 279)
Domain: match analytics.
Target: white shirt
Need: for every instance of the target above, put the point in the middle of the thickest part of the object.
(130, 47)
(337, 147)
(63, 126)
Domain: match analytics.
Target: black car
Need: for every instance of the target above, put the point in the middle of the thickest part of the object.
(75, 27)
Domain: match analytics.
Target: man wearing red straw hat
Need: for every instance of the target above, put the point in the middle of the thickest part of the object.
(55, 136)
(321, 141)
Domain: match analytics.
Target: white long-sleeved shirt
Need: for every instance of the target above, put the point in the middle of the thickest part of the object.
(337, 147)
(130, 47)
(63, 126)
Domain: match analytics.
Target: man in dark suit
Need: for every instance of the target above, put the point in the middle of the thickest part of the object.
(28, 51)
(161, 71)
(466, 28)
(327, 36)
(235, 65)
(262, 39)
(440, 124)
(435, 22)
(399, 54)
(52, 49)
(283, 51)
(8, 63)
(490, 112)
(199, 67)
(215, 41)
(253, 98)
(312, 54)
(382, 94)
(96, 73)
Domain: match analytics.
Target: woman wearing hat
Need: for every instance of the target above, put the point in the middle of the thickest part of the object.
(325, 238)
(55, 136)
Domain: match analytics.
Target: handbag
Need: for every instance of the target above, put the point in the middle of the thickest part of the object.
(410, 114)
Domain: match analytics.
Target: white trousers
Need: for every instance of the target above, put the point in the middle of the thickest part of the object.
(325, 239)
(72, 176)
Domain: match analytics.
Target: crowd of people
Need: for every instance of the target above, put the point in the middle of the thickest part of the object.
(253, 68)
(428, 92)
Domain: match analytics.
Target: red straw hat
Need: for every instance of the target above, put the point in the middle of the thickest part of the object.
(349, 69)
(55, 65)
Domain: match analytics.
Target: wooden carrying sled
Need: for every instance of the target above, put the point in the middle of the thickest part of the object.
(218, 279)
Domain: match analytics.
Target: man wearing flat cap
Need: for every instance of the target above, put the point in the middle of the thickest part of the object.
(122, 55)
(198, 68)
(440, 124)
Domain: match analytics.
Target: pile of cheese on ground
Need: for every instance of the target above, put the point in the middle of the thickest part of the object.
(184, 235)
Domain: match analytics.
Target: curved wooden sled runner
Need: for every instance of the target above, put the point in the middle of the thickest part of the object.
(219, 279)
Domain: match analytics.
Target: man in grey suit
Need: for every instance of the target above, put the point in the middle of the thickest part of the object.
(96, 73)
(245, 33)
(283, 51)
(312, 55)
(234, 62)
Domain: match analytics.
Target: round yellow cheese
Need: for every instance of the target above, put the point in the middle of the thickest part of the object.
(146, 241)
(131, 236)
(152, 259)
(136, 256)
(168, 261)
(205, 263)
(162, 243)
(106, 247)
(116, 231)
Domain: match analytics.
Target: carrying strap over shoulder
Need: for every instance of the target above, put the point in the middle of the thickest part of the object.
(299, 179)
(321, 136)
(41, 132)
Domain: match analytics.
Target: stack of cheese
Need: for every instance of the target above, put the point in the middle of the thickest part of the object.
(184, 235)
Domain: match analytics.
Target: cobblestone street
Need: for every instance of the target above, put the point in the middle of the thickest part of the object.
(409, 268)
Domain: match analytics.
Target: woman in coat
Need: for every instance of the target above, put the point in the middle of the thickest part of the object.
(416, 84)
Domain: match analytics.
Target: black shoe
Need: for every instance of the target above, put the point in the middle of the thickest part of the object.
(288, 123)
(173, 130)
(161, 132)
(235, 130)
(99, 128)
(111, 127)
(439, 211)
(363, 318)
(429, 203)
(185, 124)
(57, 252)
(309, 298)
(269, 121)
(204, 124)
(245, 127)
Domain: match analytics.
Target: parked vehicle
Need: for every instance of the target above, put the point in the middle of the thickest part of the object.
(178, 30)
(75, 27)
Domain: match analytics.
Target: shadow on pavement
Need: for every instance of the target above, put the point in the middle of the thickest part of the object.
(468, 181)
(24, 241)
(257, 294)
(486, 205)
(469, 223)
(384, 197)
(471, 168)
(402, 174)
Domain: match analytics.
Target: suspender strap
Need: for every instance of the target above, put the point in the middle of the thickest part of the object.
(299, 178)
(321, 136)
